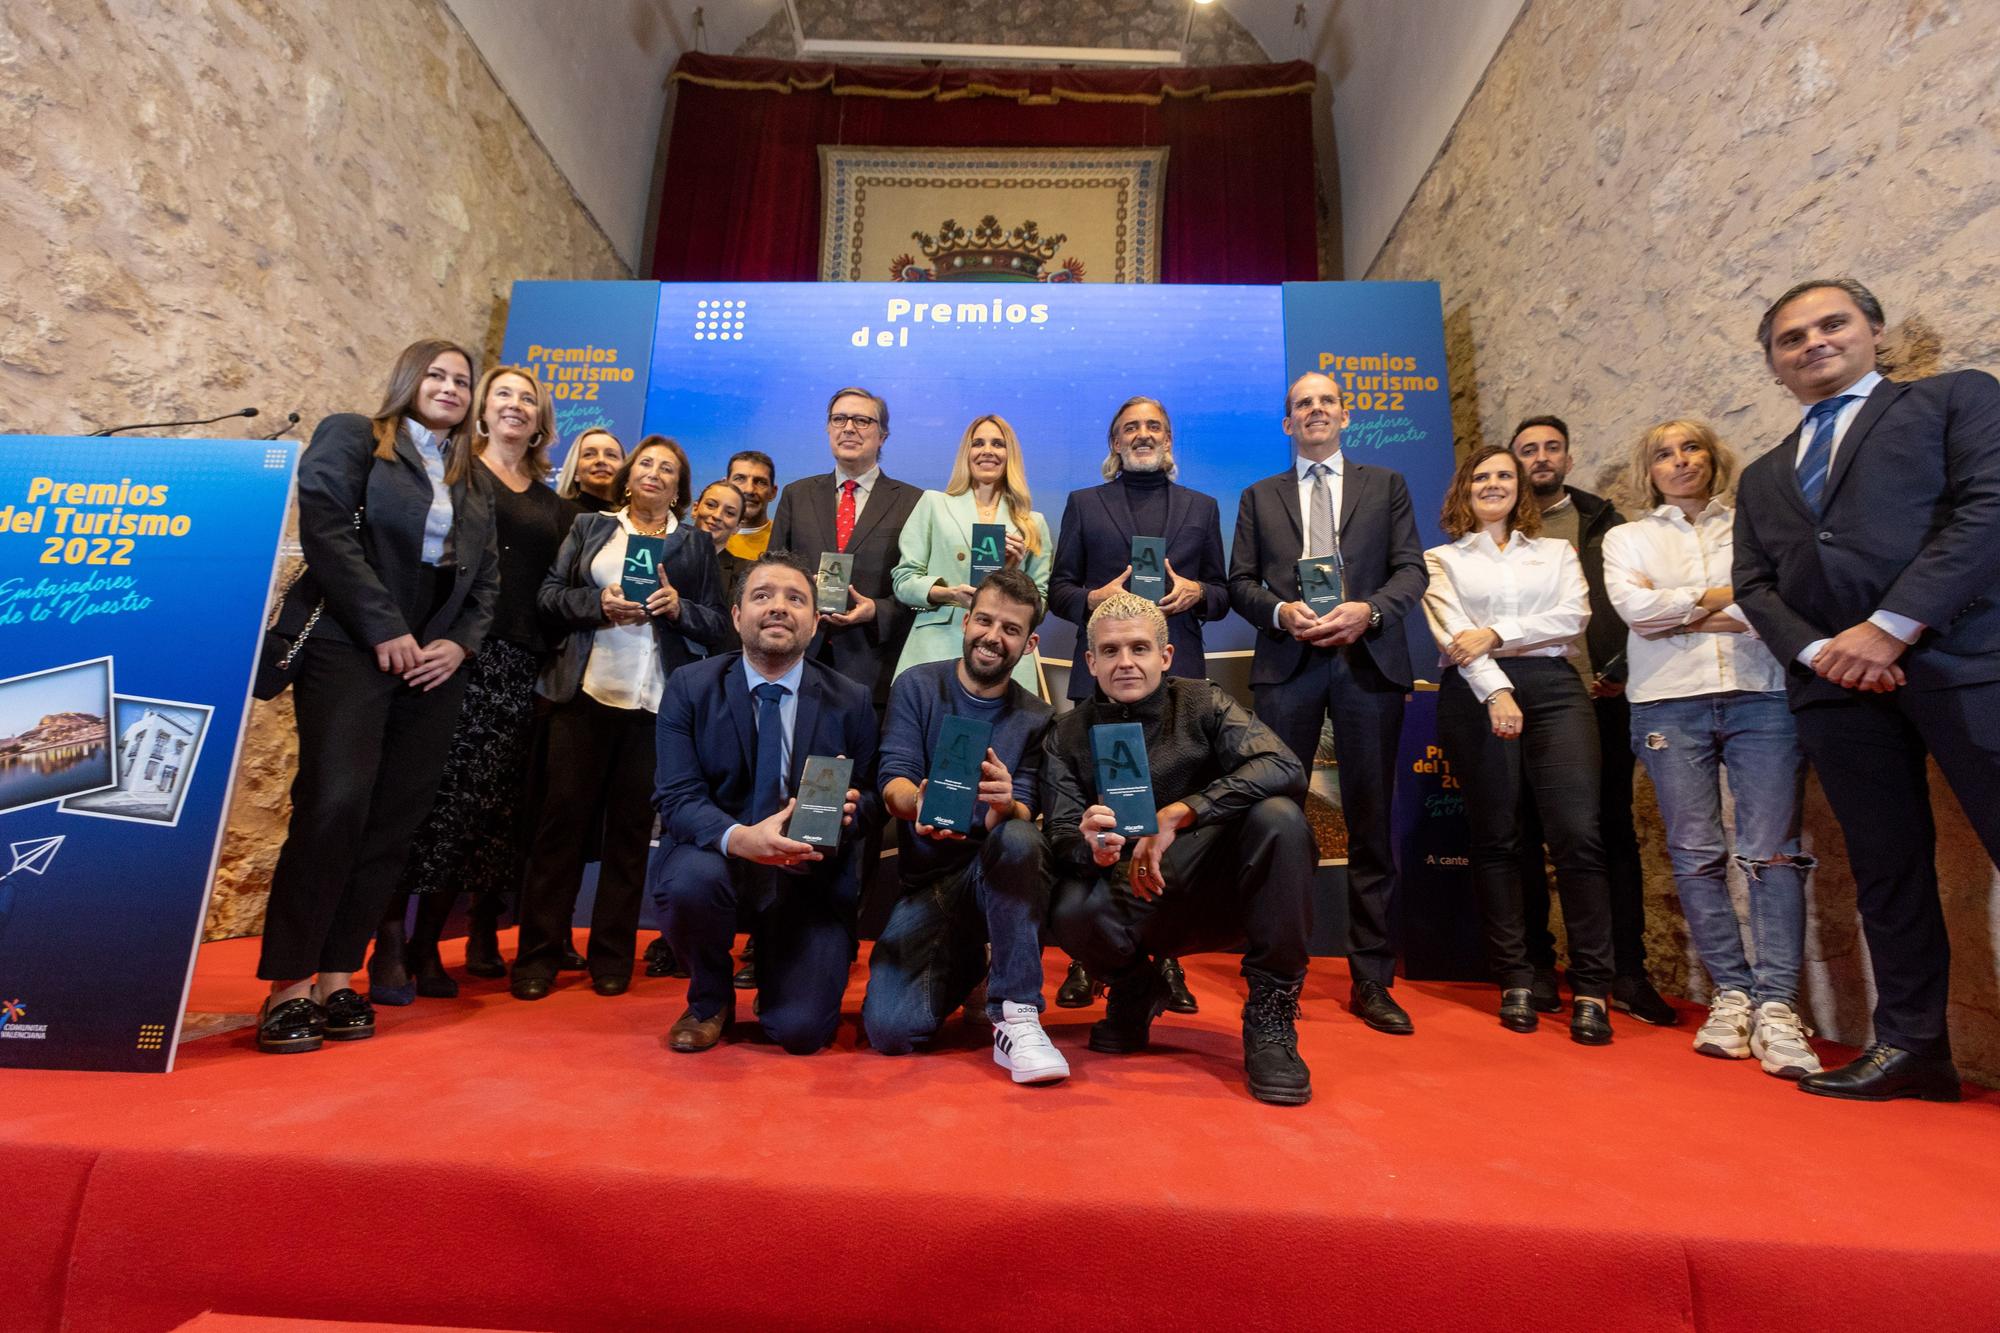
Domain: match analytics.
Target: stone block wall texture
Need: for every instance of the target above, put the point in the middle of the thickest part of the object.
(207, 204)
(1627, 190)
(1153, 25)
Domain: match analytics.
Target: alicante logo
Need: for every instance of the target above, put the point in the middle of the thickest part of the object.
(11, 1011)
(719, 321)
(987, 253)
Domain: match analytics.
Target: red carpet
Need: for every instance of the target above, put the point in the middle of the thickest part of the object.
(503, 1165)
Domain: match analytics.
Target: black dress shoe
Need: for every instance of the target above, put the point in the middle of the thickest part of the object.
(746, 975)
(1636, 996)
(294, 1026)
(1517, 1010)
(660, 960)
(1130, 1006)
(530, 988)
(1372, 1004)
(613, 985)
(1271, 1060)
(1180, 999)
(482, 951)
(1078, 990)
(1884, 1073)
(1589, 1025)
(1543, 994)
(432, 981)
(349, 1016)
(572, 961)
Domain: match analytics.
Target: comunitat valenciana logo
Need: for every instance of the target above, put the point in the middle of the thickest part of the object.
(11, 1014)
(719, 321)
(901, 314)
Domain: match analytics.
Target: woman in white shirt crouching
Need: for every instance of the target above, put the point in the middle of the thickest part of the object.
(1708, 695)
(1505, 608)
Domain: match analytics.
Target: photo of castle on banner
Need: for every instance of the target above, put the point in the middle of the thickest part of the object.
(158, 746)
(54, 734)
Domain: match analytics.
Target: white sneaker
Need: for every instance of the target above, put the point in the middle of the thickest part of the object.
(1726, 1033)
(1779, 1041)
(1023, 1049)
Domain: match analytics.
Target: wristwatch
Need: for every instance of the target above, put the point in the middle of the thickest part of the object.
(1374, 616)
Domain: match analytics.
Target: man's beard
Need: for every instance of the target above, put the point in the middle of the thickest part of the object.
(999, 672)
(1153, 464)
(1546, 491)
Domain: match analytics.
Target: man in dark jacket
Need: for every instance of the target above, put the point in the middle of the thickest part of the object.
(1232, 862)
(1542, 445)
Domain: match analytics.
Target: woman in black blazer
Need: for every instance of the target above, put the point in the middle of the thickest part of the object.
(399, 546)
(604, 684)
(478, 826)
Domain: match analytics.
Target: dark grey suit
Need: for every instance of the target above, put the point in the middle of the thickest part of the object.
(804, 525)
(1360, 685)
(1909, 523)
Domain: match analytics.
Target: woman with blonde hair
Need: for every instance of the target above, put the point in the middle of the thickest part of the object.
(1706, 696)
(588, 470)
(988, 484)
(472, 840)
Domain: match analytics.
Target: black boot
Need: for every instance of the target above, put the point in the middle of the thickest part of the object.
(1078, 989)
(421, 956)
(1179, 998)
(482, 938)
(1131, 1004)
(388, 966)
(1271, 1046)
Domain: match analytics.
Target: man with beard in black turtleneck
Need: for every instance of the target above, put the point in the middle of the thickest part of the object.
(1139, 498)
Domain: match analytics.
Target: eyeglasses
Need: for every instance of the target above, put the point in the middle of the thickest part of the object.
(841, 419)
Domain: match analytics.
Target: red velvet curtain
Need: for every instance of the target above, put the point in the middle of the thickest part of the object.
(741, 199)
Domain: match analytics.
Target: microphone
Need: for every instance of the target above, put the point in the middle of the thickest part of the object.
(168, 425)
(291, 420)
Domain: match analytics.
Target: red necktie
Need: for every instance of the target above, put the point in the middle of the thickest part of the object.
(843, 522)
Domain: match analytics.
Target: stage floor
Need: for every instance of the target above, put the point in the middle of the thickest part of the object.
(485, 1162)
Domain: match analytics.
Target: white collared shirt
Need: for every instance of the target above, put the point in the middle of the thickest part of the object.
(864, 485)
(1531, 594)
(1336, 467)
(624, 669)
(1655, 570)
(1901, 627)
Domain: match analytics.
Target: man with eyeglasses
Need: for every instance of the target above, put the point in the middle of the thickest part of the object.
(859, 510)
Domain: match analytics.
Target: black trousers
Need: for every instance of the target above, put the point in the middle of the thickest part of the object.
(1869, 752)
(599, 768)
(371, 752)
(1245, 882)
(1367, 712)
(1622, 865)
(1556, 758)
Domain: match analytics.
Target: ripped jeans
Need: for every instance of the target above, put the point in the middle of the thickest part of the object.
(1685, 744)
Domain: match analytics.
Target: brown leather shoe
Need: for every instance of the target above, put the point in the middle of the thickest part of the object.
(690, 1033)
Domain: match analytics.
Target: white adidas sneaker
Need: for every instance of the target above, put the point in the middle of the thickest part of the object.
(1726, 1033)
(1021, 1047)
(1778, 1040)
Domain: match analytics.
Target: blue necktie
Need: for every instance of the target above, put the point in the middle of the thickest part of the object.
(767, 783)
(1818, 458)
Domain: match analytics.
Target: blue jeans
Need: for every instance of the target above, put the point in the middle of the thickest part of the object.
(933, 951)
(1685, 744)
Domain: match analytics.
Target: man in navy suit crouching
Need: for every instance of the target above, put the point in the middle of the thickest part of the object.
(734, 733)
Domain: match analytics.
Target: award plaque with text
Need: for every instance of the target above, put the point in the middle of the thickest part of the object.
(1320, 583)
(823, 787)
(989, 551)
(951, 791)
(641, 578)
(1124, 782)
(1149, 568)
(836, 572)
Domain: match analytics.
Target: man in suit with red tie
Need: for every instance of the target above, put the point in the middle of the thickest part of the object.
(1865, 558)
(860, 510)
(1350, 662)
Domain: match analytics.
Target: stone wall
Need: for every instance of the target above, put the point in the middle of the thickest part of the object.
(1156, 25)
(1629, 187)
(207, 204)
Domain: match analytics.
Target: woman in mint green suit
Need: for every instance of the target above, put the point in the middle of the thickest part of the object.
(989, 484)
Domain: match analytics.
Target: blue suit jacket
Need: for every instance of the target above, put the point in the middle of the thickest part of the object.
(707, 753)
(1910, 523)
(1096, 543)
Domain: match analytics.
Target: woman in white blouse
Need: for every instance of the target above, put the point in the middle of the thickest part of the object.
(604, 686)
(1505, 608)
(1707, 695)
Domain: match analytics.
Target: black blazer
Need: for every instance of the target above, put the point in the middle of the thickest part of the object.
(707, 754)
(572, 601)
(373, 579)
(1095, 542)
(804, 525)
(1381, 556)
(1605, 634)
(1910, 524)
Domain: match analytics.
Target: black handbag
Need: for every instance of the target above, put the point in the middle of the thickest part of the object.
(285, 635)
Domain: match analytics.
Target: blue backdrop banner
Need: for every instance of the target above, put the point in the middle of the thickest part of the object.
(588, 343)
(133, 579)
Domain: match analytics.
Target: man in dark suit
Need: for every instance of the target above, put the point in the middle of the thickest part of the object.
(1351, 662)
(734, 734)
(1139, 498)
(858, 509)
(1582, 519)
(1865, 557)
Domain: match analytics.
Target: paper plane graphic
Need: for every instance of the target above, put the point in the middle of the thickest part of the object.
(32, 855)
